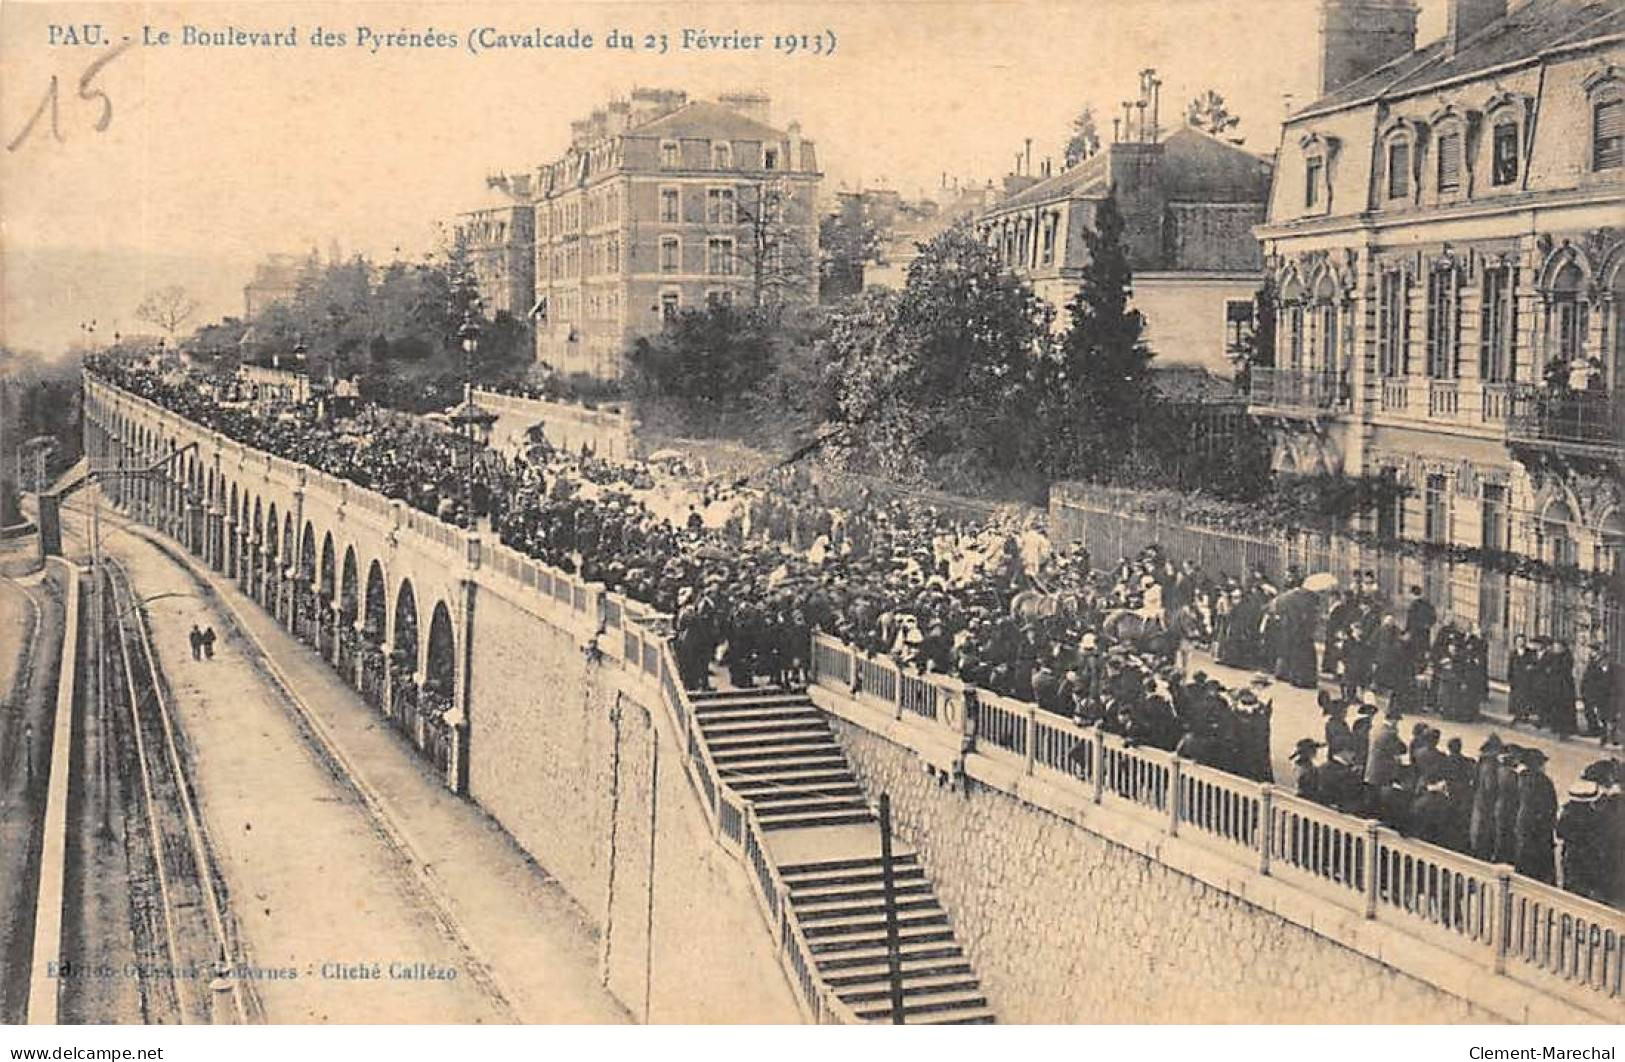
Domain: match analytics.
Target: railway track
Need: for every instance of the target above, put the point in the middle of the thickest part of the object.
(184, 942)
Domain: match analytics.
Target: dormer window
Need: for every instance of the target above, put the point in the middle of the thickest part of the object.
(1449, 162)
(669, 157)
(1399, 169)
(722, 156)
(1314, 172)
(1608, 134)
(1605, 91)
(770, 159)
(1319, 151)
(1504, 154)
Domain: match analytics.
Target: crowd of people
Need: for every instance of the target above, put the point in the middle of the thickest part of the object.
(749, 574)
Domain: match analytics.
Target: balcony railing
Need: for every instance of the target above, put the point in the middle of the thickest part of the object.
(1581, 420)
(1299, 390)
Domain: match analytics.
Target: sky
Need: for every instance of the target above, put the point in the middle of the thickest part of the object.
(211, 156)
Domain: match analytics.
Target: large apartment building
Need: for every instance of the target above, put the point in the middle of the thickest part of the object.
(1443, 239)
(662, 204)
(500, 240)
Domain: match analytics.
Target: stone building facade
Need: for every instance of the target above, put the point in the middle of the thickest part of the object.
(1443, 247)
(663, 204)
(1189, 202)
(500, 239)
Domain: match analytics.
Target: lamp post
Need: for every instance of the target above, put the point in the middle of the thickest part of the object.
(470, 420)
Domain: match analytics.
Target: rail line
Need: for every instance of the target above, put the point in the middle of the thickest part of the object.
(183, 940)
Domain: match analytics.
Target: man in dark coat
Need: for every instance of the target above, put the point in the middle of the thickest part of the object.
(1507, 777)
(1520, 673)
(1597, 691)
(1419, 620)
(1536, 821)
(1481, 827)
(1361, 731)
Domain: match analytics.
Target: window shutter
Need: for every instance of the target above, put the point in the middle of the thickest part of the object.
(1450, 162)
(1608, 134)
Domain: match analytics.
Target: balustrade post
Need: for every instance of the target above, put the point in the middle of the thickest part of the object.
(1502, 918)
(1266, 826)
(1100, 763)
(1031, 724)
(1372, 865)
(1172, 795)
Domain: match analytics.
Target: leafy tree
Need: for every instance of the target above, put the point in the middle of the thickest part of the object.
(938, 375)
(710, 356)
(1085, 138)
(167, 309)
(1211, 114)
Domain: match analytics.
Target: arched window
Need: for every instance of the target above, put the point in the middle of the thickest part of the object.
(1568, 319)
(1605, 93)
(1397, 161)
(1557, 539)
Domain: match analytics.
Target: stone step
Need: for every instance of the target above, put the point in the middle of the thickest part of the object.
(778, 739)
(810, 911)
(793, 871)
(767, 798)
(817, 818)
(776, 766)
(798, 723)
(946, 1003)
(880, 972)
(968, 1016)
(784, 781)
(915, 986)
(734, 698)
(844, 893)
(873, 925)
(856, 960)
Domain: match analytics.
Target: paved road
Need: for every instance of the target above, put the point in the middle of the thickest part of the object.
(318, 880)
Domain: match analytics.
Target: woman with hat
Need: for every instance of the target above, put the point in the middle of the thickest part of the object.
(1537, 817)
(1481, 827)
(1581, 827)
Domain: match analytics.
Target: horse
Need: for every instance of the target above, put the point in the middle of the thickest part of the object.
(1147, 635)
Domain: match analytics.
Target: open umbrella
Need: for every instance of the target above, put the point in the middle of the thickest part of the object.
(1321, 582)
(667, 455)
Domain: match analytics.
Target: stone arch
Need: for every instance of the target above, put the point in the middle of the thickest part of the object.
(1560, 258)
(273, 540)
(307, 555)
(404, 629)
(376, 604)
(440, 660)
(349, 587)
(326, 575)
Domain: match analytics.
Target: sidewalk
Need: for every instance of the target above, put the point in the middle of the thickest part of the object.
(530, 943)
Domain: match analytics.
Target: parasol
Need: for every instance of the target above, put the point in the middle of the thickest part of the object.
(1320, 582)
(666, 455)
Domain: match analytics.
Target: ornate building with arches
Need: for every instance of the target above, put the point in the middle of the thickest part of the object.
(1444, 250)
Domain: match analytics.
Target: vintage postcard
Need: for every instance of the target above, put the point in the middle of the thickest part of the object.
(1017, 512)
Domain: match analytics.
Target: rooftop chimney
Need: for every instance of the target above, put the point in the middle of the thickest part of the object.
(1358, 36)
(1464, 18)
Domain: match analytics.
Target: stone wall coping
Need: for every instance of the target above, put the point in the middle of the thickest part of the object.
(1144, 834)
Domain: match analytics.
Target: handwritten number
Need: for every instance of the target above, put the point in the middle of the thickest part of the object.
(86, 93)
(48, 101)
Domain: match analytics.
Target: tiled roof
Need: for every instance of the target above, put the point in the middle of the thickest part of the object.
(1527, 31)
(1085, 179)
(708, 120)
(1196, 167)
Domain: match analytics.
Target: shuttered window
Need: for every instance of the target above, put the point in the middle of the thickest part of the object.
(1505, 164)
(1608, 135)
(1450, 162)
(1399, 170)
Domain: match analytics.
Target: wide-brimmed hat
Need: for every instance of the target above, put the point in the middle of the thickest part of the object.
(1585, 790)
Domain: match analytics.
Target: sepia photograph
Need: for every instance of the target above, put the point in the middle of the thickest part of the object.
(922, 512)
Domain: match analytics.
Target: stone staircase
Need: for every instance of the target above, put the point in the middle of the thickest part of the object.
(775, 749)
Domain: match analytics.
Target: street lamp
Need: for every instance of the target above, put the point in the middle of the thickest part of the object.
(470, 420)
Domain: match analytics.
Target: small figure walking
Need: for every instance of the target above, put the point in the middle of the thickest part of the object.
(208, 643)
(195, 636)
(28, 754)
